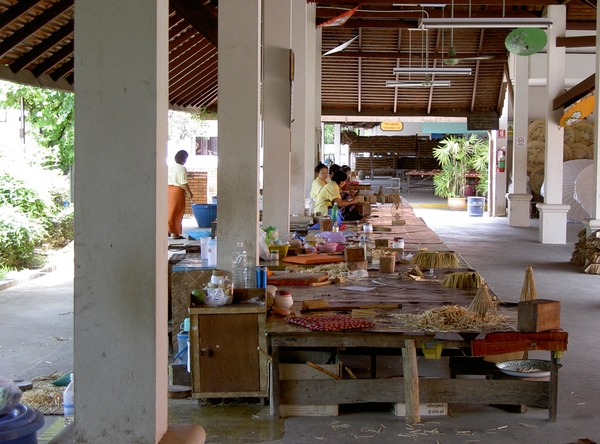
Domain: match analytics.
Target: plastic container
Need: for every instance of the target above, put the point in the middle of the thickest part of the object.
(239, 268)
(182, 347)
(69, 402)
(204, 248)
(211, 249)
(205, 214)
(475, 205)
(20, 425)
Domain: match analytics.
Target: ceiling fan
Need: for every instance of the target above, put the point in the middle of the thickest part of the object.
(453, 59)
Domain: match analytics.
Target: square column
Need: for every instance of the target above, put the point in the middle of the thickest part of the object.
(518, 202)
(277, 114)
(301, 158)
(593, 224)
(239, 128)
(553, 229)
(120, 286)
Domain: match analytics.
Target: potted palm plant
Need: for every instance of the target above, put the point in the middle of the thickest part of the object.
(458, 156)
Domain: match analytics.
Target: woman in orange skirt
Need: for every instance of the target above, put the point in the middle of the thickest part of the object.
(178, 189)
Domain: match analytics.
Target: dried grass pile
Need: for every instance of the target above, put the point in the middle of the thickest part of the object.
(528, 293)
(435, 259)
(452, 318)
(463, 279)
(587, 252)
(45, 397)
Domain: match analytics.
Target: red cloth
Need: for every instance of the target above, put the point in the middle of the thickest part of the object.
(176, 209)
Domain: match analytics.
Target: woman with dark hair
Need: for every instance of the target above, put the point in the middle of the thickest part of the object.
(330, 193)
(178, 189)
(321, 180)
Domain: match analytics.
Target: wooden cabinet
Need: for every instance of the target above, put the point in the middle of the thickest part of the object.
(228, 348)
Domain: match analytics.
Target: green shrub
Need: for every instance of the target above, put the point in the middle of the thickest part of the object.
(19, 236)
(16, 193)
(62, 231)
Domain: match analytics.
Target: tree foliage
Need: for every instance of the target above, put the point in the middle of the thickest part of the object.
(50, 120)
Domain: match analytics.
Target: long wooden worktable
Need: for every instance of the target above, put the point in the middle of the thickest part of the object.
(390, 336)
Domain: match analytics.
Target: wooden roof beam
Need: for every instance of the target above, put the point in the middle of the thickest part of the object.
(41, 48)
(199, 17)
(54, 59)
(583, 41)
(571, 96)
(16, 11)
(26, 31)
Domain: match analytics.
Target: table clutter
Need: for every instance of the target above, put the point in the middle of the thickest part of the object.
(385, 286)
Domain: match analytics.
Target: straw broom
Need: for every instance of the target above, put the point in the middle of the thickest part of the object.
(528, 292)
(463, 279)
(482, 305)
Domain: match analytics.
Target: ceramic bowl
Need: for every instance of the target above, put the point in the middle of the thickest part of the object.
(284, 301)
(329, 247)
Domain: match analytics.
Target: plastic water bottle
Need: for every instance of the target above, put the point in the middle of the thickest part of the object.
(69, 402)
(334, 216)
(212, 252)
(240, 267)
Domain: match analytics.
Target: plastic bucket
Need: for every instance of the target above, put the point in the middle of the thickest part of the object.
(182, 348)
(205, 214)
(475, 205)
(20, 425)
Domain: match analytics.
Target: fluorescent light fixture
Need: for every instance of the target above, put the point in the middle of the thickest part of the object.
(416, 84)
(473, 22)
(463, 71)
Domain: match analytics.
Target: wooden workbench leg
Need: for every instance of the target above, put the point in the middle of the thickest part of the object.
(553, 395)
(275, 381)
(411, 381)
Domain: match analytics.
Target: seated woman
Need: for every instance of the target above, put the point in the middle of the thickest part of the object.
(321, 180)
(330, 193)
(349, 213)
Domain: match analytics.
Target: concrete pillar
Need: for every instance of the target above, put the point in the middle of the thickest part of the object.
(593, 223)
(239, 128)
(313, 93)
(498, 204)
(277, 114)
(518, 201)
(120, 286)
(301, 159)
(553, 229)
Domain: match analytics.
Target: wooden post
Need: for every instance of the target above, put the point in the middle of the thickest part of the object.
(411, 381)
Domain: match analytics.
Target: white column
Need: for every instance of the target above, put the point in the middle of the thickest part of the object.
(500, 182)
(120, 287)
(553, 214)
(313, 92)
(593, 223)
(276, 114)
(518, 201)
(300, 158)
(239, 128)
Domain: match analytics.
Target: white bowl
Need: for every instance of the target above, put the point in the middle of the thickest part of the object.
(283, 301)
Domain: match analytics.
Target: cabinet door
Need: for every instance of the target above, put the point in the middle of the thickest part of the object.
(229, 357)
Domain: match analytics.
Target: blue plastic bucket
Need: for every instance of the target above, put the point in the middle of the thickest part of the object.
(182, 347)
(20, 425)
(475, 205)
(205, 214)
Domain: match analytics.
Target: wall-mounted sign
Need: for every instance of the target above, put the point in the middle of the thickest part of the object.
(392, 126)
(482, 122)
(520, 141)
(501, 134)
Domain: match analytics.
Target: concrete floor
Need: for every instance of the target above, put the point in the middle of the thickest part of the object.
(36, 327)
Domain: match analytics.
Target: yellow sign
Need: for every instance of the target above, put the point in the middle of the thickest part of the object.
(392, 126)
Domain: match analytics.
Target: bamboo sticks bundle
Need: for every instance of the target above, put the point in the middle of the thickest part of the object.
(416, 271)
(463, 279)
(482, 305)
(435, 259)
(528, 293)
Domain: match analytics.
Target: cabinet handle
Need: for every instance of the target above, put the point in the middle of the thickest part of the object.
(205, 351)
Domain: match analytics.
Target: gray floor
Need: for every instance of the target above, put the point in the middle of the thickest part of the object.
(36, 327)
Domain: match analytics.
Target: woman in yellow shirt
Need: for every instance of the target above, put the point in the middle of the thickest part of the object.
(320, 181)
(330, 193)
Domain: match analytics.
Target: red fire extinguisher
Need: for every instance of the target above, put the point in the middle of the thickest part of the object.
(501, 160)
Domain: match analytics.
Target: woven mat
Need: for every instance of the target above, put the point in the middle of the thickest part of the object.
(44, 396)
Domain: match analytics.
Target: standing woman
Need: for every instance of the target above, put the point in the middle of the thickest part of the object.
(178, 189)
(321, 180)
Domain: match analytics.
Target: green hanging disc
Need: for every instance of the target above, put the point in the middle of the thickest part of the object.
(526, 41)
